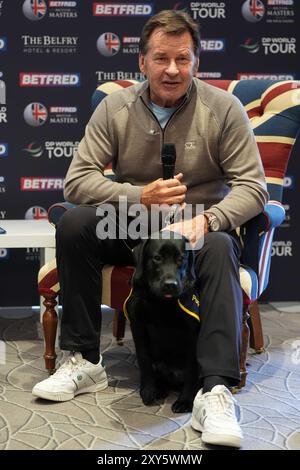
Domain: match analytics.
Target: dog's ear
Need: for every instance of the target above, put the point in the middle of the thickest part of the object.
(137, 279)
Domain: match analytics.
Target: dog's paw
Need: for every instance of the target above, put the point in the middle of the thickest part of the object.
(148, 394)
(182, 406)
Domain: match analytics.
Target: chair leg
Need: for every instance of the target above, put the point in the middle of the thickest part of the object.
(50, 328)
(244, 348)
(256, 333)
(119, 324)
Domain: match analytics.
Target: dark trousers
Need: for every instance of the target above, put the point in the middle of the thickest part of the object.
(81, 256)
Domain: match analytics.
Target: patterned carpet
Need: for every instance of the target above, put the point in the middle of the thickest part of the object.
(116, 417)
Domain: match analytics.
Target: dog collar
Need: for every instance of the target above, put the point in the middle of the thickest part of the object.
(188, 303)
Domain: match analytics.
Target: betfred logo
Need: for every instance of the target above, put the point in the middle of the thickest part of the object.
(31, 79)
(39, 183)
(265, 76)
(3, 149)
(122, 9)
(212, 45)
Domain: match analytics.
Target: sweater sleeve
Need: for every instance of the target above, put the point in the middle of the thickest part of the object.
(85, 181)
(241, 163)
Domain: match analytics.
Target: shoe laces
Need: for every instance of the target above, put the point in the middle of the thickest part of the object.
(220, 403)
(71, 365)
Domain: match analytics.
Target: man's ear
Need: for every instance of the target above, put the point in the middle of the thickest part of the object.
(142, 63)
(196, 65)
(138, 256)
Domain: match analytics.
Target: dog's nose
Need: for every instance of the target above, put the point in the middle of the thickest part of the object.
(170, 286)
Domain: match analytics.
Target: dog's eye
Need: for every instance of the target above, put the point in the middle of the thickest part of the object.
(156, 258)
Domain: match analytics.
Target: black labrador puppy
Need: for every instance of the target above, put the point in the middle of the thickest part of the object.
(163, 313)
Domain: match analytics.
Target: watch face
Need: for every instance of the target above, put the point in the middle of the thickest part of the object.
(214, 225)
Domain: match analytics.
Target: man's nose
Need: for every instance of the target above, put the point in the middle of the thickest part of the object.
(172, 68)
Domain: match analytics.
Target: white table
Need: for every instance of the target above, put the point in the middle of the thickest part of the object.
(30, 234)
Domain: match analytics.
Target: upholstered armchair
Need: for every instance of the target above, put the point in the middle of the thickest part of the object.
(274, 110)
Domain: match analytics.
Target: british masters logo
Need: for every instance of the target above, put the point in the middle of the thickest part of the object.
(253, 10)
(3, 109)
(34, 10)
(108, 44)
(35, 114)
(36, 213)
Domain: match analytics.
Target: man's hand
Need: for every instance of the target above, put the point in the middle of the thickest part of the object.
(161, 191)
(193, 229)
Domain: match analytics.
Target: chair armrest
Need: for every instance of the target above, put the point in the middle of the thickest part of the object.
(257, 236)
(253, 231)
(57, 210)
(275, 212)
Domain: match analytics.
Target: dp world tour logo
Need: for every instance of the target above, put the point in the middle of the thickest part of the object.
(34, 149)
(108, 44)
(253, 10)
(250, 45)
(35, 114)
(180, 6)
(34, 10)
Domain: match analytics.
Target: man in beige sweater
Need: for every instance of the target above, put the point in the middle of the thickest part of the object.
(218, 165)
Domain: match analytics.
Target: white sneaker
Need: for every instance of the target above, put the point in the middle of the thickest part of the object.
(75, 376)
(214, 415)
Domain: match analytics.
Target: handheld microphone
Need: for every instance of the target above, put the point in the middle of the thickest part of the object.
(168, 159)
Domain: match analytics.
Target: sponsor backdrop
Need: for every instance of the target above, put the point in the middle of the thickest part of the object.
(52, 56)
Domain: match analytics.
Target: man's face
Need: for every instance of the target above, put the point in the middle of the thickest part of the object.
(169, 66)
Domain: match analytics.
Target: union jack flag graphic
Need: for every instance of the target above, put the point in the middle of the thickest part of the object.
(257, 8)
(112, 42)
(39, 112)
(38, 8)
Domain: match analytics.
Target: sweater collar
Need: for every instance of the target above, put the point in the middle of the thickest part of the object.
(144, 92)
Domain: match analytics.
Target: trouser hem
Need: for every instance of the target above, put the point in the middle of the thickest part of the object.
(227, 373)
(79, 347)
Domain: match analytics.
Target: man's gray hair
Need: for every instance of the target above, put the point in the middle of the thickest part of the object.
(171, 22)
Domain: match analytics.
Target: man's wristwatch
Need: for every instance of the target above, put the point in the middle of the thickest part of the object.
(212, 222)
